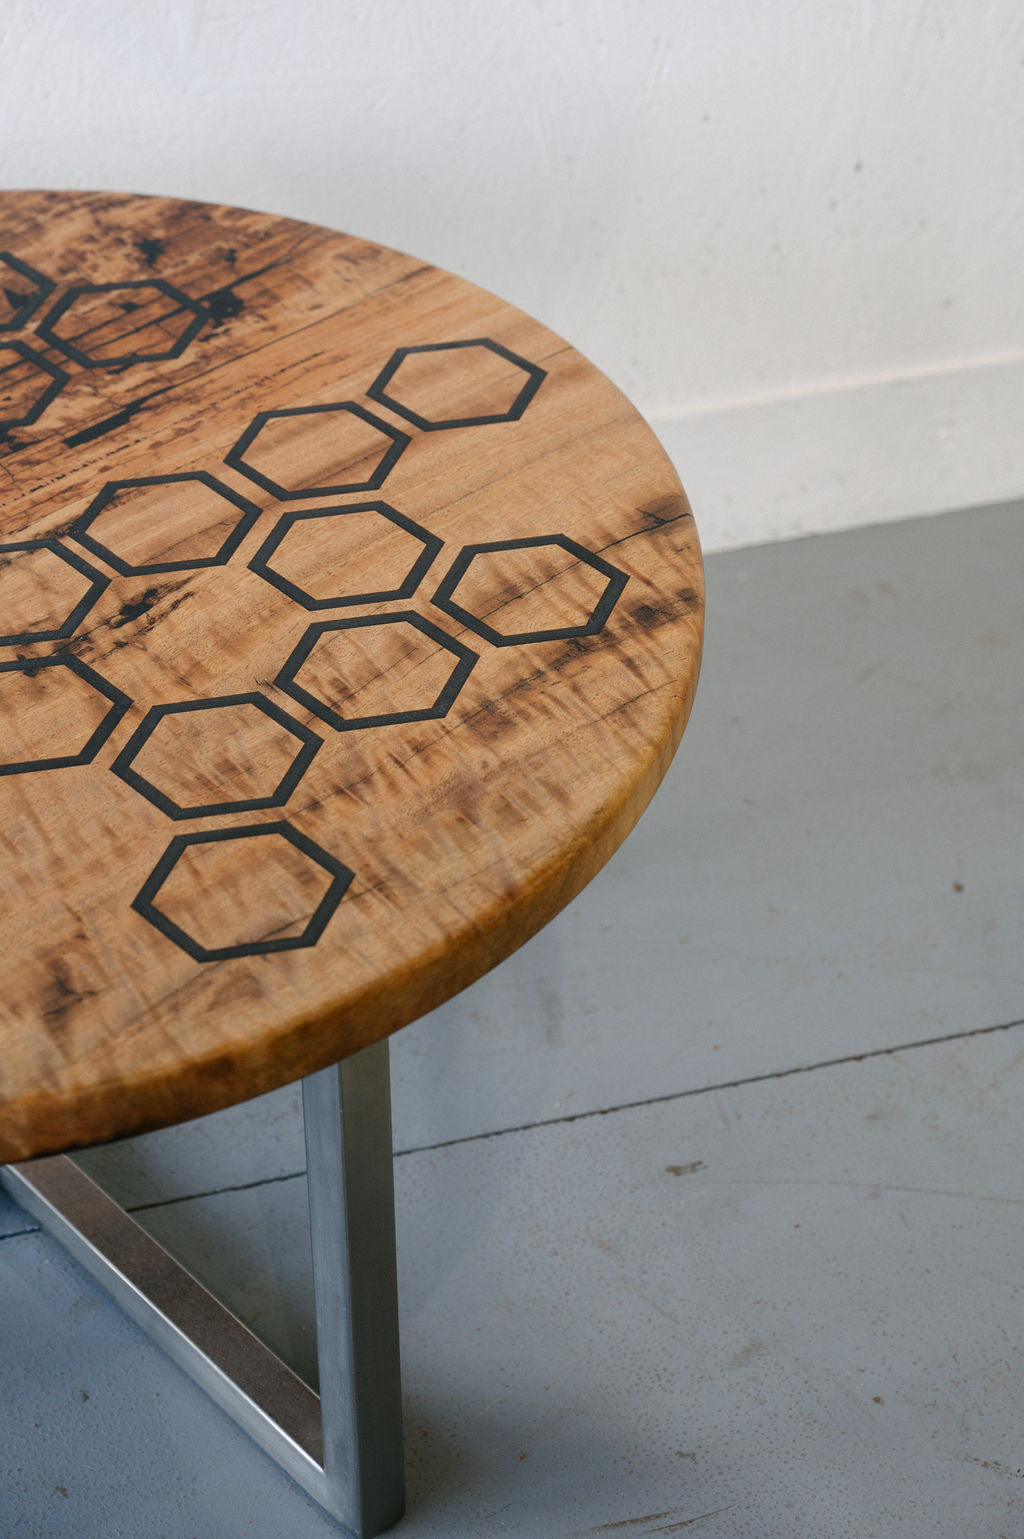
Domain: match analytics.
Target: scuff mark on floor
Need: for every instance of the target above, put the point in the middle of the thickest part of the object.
(625, 1524)
(677, 1528)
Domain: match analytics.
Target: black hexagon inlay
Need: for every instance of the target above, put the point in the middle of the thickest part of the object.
(614, 582)
(437, 702)
(28, 384)
(18, 303)
(302, 755)
(492, 384)
(107, 325)
(136, 527)
(407, 561)
(30, 669)
(320, 450)
(146, 901)
(27, 560)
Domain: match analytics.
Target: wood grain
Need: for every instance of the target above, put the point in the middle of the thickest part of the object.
(348, 621)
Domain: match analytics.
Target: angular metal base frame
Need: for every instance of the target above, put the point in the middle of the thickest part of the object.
(343, 1446)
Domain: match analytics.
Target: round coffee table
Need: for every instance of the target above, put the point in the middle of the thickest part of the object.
(348, 621)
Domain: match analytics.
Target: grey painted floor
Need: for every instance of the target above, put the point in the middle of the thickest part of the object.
(709, 1201)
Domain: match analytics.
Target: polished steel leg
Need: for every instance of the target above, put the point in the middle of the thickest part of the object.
(347, 1112)
(344, 1446)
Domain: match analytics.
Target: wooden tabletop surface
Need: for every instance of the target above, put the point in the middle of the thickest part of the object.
(348, 621)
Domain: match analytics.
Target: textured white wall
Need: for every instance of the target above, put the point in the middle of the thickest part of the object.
(790, 229)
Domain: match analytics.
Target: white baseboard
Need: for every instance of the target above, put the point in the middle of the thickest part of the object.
(837, 458)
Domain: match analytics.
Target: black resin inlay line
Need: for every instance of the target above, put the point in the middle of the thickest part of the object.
(463, 663)
(119, 703)
(146, 903)
(615, 581)
(291, 525)
(307, 744)
(188, 315)
(524, 381)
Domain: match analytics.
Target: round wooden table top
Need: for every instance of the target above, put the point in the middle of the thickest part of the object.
(348, 621)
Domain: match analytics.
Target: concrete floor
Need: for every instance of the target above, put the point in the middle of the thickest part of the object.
(707, 1199)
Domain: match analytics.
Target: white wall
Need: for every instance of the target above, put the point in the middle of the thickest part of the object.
(790, 229)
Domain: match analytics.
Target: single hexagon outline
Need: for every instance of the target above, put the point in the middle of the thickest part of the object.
(535, 377)
(98, 583)
(399, 443)
(79, 529)
(58, 379)
(45, 329)
(466, 659)
(119, 703)
(617, 580)
(144, 904)
(122, 765)
(260, 563)
(30, 304)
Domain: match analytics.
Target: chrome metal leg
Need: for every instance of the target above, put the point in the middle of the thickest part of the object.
(344, 1446)
(347, 1112)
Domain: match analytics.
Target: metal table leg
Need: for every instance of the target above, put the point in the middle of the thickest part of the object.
(344, 1446)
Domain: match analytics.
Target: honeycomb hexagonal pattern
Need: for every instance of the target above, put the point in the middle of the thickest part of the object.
(45, 591)
(237, 753)
(57, 713)
(108, 325)
(322, 450)
(165, 523)
(376, 671)
(240, 892)
(28, 383)
(234, 753)
(457, 384)
(512, 591)
(360, 554)
(22, 291)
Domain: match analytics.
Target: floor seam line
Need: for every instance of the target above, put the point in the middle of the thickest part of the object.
(733, 1084)
(601, 1111)
(214, 1191)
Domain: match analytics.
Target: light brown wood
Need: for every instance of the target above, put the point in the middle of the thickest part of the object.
(224, 650)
